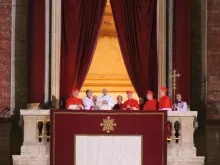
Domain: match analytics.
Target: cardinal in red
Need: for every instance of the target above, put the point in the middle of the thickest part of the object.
(151, 103)
(164, 103)
(130, 104)
(74, 102)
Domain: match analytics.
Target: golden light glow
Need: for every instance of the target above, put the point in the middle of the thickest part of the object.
(107, 69)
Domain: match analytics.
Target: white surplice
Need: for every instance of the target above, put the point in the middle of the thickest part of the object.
(180, 106)
(109, 106)
(88, 103)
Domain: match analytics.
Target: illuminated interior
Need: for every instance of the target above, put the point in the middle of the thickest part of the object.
(107, 69)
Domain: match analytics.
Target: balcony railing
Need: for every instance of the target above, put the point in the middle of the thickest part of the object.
(180, 138)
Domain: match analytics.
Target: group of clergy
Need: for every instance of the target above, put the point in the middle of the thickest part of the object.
(106, 102)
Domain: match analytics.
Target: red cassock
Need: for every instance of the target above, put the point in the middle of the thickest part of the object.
(74, 100)
(133, 104)
(151, 105)
(165, 102)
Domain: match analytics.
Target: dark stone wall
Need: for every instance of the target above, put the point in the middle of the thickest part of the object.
(5, 53)
(198, 69)
(198, 58)
(21, 54)
(205, 76)
(213, 143)
(213, 59)
(20, 37)
(5, 131)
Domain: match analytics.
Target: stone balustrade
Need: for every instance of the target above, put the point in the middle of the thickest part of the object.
(34, 151)
(185, 145)
(183, 152)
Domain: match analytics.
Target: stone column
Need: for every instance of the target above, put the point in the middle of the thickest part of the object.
(170, 46)
(56, 48)
(19, 87)
(161, 42)
(31, 145)
(33, 151)
(185, 147)
(47, 50)
(198, 51)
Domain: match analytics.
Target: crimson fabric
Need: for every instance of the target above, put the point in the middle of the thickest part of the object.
(181, 46)
(81, 21)
(36, 50)
(136, 28)
(65, 124)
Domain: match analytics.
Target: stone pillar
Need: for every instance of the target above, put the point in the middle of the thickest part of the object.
(19, 54)
(170, 46)
(47, 51)
(198, 51)
(32, 151)
(56, 49)
(31, 145)
(5, 52)
(185, 147)
(161, 42)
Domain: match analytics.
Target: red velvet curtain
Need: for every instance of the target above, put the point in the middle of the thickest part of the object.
(36, 50)
(136, 28)
(181, 46)
(81, 21)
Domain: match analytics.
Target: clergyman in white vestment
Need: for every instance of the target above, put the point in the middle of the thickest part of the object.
(179, 105)
(87, 101)
(105, 102)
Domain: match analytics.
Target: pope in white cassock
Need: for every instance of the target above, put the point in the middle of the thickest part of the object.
(105, 102)
(88, 101)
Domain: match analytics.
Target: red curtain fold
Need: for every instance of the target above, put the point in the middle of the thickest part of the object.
(181, 46)
(36, 50)
(136, 28)
(81, 21)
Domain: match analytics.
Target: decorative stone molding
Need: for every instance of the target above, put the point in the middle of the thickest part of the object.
(56, 48)
(161, 42)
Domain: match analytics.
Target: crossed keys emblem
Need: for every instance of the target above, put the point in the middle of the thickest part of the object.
(108, 124)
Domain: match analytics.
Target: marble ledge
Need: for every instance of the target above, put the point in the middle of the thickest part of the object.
(39, 112)
(44, 160)
(197, 160)
(35, 112)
